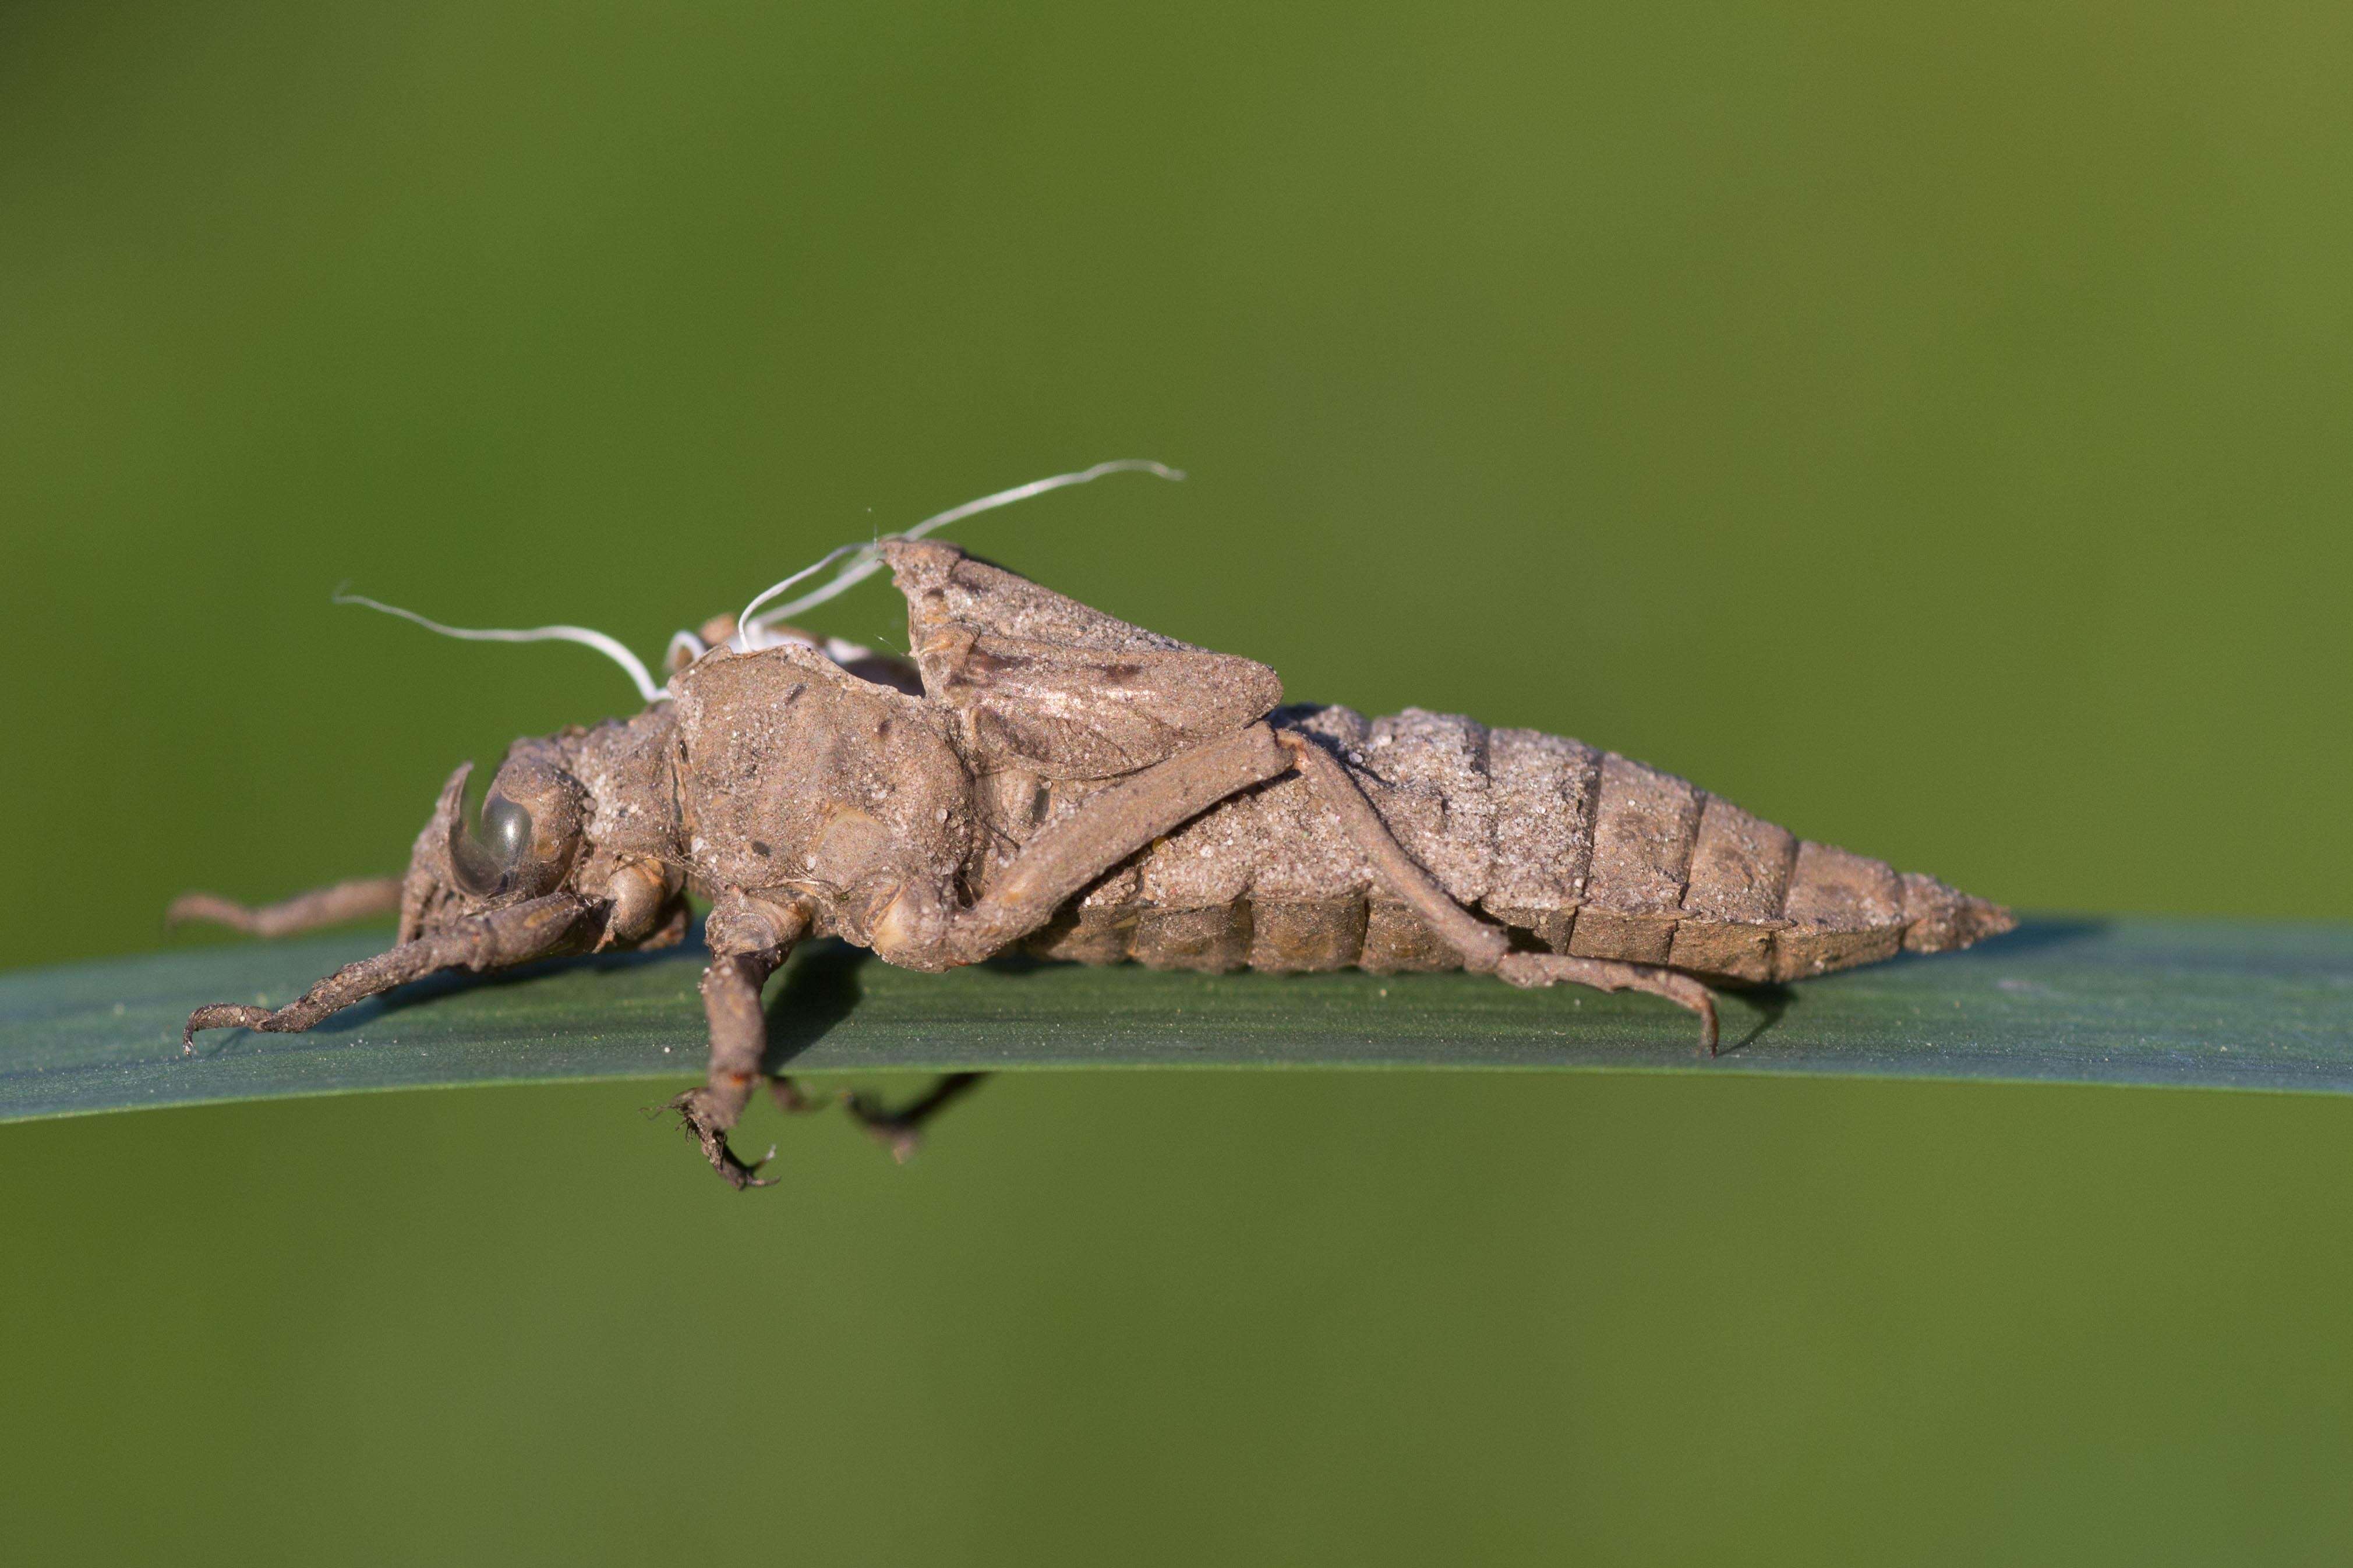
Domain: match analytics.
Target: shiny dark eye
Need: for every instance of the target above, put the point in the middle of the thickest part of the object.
(529, 834)
(486, 862)
(506, 830)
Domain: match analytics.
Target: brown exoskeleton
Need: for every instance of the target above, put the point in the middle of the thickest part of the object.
(1043, 776)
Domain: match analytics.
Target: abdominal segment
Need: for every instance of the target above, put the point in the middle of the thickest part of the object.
(1578, 851)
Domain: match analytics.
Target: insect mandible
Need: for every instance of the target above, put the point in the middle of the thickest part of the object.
(1040, 775)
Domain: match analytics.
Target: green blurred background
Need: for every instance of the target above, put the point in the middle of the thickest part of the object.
(1926, 426)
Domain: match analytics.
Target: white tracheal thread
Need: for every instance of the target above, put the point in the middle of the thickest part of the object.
(610, 647)
(685, 647)
(745, 621)
(754, 630)
(869, 558)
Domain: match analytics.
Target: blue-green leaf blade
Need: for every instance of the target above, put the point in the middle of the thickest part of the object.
(2190, 1002)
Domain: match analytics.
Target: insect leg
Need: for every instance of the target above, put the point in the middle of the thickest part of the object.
(537, 929)
(739, 1035)
(344, 902)
(1533, 970)
(1105, 830)
(901, 1129)
(1485, 948)
(749, 941)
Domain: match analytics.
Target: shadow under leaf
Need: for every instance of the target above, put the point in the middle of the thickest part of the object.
(1769, 1002)
(2035, 933)
(821, 988)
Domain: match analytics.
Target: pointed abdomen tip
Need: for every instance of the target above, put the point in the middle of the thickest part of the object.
(1939, 919)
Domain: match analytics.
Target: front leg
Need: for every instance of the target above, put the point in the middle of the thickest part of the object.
(540, 928)
(338, 905)
(750, 939)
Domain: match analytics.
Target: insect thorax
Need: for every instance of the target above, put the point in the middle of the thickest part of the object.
(795, 776)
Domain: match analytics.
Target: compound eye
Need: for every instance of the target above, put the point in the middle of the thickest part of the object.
(518, 848)
(486, 861)
(506, 831)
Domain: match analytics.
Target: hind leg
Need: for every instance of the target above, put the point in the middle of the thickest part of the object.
(1533, 970)
(1485, 948)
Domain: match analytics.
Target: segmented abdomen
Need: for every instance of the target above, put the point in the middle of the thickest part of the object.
(1580, 851)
